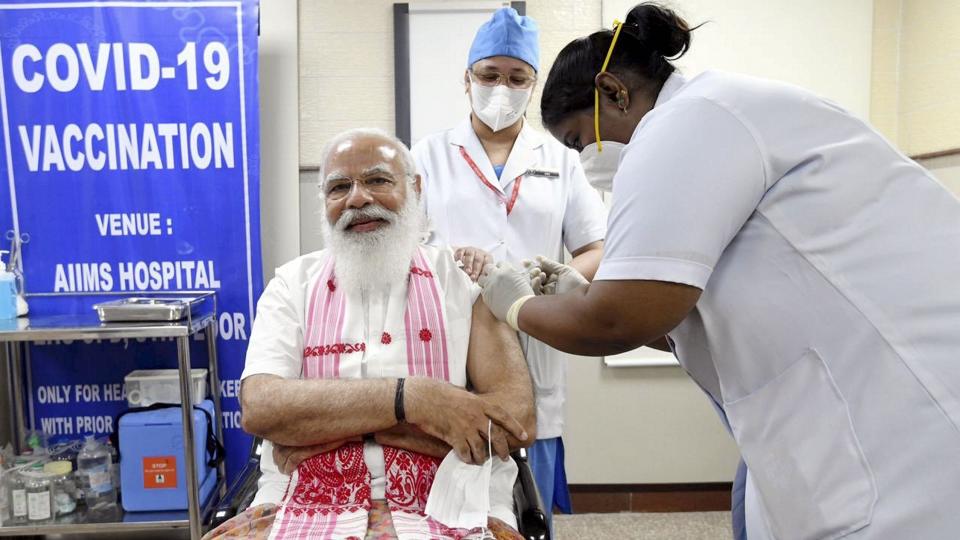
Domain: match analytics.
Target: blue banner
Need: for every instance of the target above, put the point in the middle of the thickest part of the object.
(130, 146)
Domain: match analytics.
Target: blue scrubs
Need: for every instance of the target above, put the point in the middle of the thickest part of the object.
(546, 460)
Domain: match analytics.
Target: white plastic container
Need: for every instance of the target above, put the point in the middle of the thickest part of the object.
(148, 386)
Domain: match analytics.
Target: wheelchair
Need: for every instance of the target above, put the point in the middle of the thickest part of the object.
(531, 521)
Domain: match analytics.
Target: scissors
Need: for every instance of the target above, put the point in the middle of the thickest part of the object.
(16, 244)
(24, 237)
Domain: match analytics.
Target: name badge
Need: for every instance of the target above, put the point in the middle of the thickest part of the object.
(544, 173)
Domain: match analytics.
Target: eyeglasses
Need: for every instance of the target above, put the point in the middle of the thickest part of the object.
(494, 78)
(336, 190)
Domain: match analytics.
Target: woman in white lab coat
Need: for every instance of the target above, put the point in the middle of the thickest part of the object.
(803, 270)
(495, 187)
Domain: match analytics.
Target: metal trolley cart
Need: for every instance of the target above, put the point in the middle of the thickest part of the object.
(87, 326)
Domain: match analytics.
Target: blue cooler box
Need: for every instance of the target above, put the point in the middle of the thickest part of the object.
(153, 474)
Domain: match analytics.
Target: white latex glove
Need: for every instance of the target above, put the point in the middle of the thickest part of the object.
(503, 286)
(536, 275)
(560, 278)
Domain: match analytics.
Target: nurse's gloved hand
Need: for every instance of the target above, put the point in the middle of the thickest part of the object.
(561, 278)
(536, 275)
(503, 285)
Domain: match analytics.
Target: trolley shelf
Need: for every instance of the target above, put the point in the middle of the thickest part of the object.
(16, 334)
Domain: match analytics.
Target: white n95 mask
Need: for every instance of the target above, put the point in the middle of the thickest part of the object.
(601, 166)
(499, 106)
(460, 494)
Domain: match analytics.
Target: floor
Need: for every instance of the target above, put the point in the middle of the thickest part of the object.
(619, 526)
(645, 526)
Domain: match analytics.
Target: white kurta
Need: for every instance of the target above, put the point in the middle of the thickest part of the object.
(828, 324)
(549, 214)
(276, 348)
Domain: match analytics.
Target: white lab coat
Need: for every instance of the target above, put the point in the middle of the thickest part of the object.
(548, 215)
(828, 324)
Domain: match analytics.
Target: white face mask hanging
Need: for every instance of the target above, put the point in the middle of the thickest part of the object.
(600, 166)
(460, 495)
(499, 106)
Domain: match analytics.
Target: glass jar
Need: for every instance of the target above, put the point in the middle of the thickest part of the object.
(4, 502)
(60, 474)
(16, 493)
(39, 495)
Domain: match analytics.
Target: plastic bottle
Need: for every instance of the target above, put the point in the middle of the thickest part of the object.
(16, 494)
(39, 495)
(115, 465)
(8, 291)
(94, 470)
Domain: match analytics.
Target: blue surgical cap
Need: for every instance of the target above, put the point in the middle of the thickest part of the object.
(507, 34)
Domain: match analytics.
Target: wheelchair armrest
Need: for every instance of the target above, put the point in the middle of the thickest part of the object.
(241, 491)
(531, 519)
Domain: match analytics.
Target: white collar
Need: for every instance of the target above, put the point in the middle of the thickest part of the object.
(671, 86)
(464, 135)
(522, 156)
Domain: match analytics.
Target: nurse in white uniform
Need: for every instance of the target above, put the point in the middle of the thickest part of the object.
(496, 188)
(804, 271)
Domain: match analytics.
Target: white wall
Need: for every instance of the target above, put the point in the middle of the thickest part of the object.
(915, 75)
(822, 45)
(346, 81)
(279, 135)
(946, 169)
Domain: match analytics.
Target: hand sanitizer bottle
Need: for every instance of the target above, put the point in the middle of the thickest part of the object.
(8, 292)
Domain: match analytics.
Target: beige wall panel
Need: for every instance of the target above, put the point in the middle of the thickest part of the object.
(929, 76)
(279, 136)
(560, 23)
(346, 70)
(821, 45)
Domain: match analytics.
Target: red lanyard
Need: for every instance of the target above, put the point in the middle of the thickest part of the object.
(476, 170)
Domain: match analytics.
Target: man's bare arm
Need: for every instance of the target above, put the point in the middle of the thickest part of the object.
(498, 371)
(499, 374)
(295, 412)
(586, 260)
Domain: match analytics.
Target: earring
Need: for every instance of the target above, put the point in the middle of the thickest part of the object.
(621, 101)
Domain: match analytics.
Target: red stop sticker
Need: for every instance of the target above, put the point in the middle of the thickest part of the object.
(159, 472)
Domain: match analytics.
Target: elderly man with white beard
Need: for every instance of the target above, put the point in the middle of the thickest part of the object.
(358, 364)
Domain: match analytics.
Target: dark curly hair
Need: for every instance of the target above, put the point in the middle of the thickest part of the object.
(651, 37)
